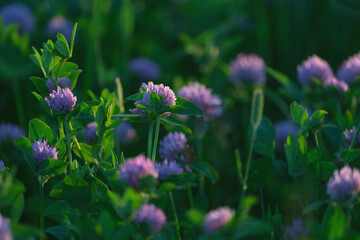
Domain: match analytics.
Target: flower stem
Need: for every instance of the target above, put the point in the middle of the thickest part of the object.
(247, 168)
(150, 138)
(61, 127)
(57, 75)
(67, 133)
(239, 165)
(41, 188)
(177, 227)
(156, 138)
(75, 138)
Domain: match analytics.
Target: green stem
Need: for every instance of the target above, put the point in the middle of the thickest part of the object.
(57, 75)
(156, 138)
(18, 102)
(247, 168)
(61, 128)
(177, 227)
(122, 159)
(41, 209)
(68, 143)
(150, 138)
(119, 95)
(191, 198)
(76, 141)
(319, 157)
(239, 165)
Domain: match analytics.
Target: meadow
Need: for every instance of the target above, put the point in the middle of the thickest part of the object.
(180, 119)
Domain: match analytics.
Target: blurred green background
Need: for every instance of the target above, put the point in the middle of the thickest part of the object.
(188, 39)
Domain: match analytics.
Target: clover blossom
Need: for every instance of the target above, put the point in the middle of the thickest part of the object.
(2, 165)
(59, 24)
(167, 169)
(42, 151)
(10, 131)
(343, 184)
(5, 230)
(295, 231)
(200, 95)
(282, 131)
(62, 82)
(61, 100)
(248, 68)
(349, 70)
(135, 169)
(313, 67)
(342, 86)
(20, 14)
(217, 219)
(145, 68)
(125, 132)
(349, 135)
(174, 147)
(167, 96)
(151, 215)
(90, 133)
